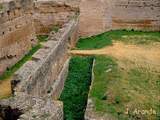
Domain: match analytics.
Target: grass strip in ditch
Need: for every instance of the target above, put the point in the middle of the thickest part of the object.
(75, 93)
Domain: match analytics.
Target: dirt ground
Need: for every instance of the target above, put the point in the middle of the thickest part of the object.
(5, 88)
(146, 55)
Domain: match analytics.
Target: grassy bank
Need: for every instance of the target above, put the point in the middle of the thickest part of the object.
(75, 93)
(116, 90)
(10, 71)
(123, 87)
(107, 38)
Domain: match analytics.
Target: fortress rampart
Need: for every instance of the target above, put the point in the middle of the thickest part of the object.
(37, 85)
(98, 16)
(17, 34)
(22, 20)
(51, 13)
(39, 82)
(136, 14)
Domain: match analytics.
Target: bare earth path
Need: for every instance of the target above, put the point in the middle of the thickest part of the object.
(144, 55)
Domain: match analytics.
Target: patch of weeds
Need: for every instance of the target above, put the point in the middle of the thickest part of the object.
(75, 93)
(1, 7)
(42, 38)
(55, 28)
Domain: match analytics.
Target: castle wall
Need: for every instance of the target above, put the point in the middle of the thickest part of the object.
(36, 75)
(92, 17)
(22, 20)
(37, 85)
(97, 16)
(136, 14)
(17, 33)
(49, 13)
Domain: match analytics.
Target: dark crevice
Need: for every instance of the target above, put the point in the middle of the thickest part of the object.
(7, 113)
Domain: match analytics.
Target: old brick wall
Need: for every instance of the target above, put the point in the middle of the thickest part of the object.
(17, 33)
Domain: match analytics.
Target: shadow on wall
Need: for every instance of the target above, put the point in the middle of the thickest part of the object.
(7, 113)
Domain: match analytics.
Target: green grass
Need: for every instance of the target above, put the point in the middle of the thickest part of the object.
(55, 28)
(134, 37)
(1, 7)
(94, 42)
(107, 38)
(114, 89)
(10, 71)
(75, 93)
(42, 38)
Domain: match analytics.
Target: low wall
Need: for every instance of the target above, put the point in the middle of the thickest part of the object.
(38, 83)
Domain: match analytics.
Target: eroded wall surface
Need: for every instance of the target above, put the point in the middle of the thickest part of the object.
(37, 85)
(50, 13)
(98, 16)
(22, 20)
(17, 33)
(137, 14)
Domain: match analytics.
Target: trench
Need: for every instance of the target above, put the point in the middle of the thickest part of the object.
(76, 88)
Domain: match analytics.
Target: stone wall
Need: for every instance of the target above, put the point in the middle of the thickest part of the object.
(17, 33)
(46, 64)
(92, 20)
(22, 20)
(97, 16)
(38, 83)
(137, 14)
(49, 13)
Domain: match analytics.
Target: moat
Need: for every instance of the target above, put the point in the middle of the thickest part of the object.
(79, 59)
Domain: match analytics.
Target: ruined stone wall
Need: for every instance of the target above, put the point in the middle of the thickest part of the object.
(17, 33)
(42, 71)
(50, 13)
(22, 20)
(38, 83)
